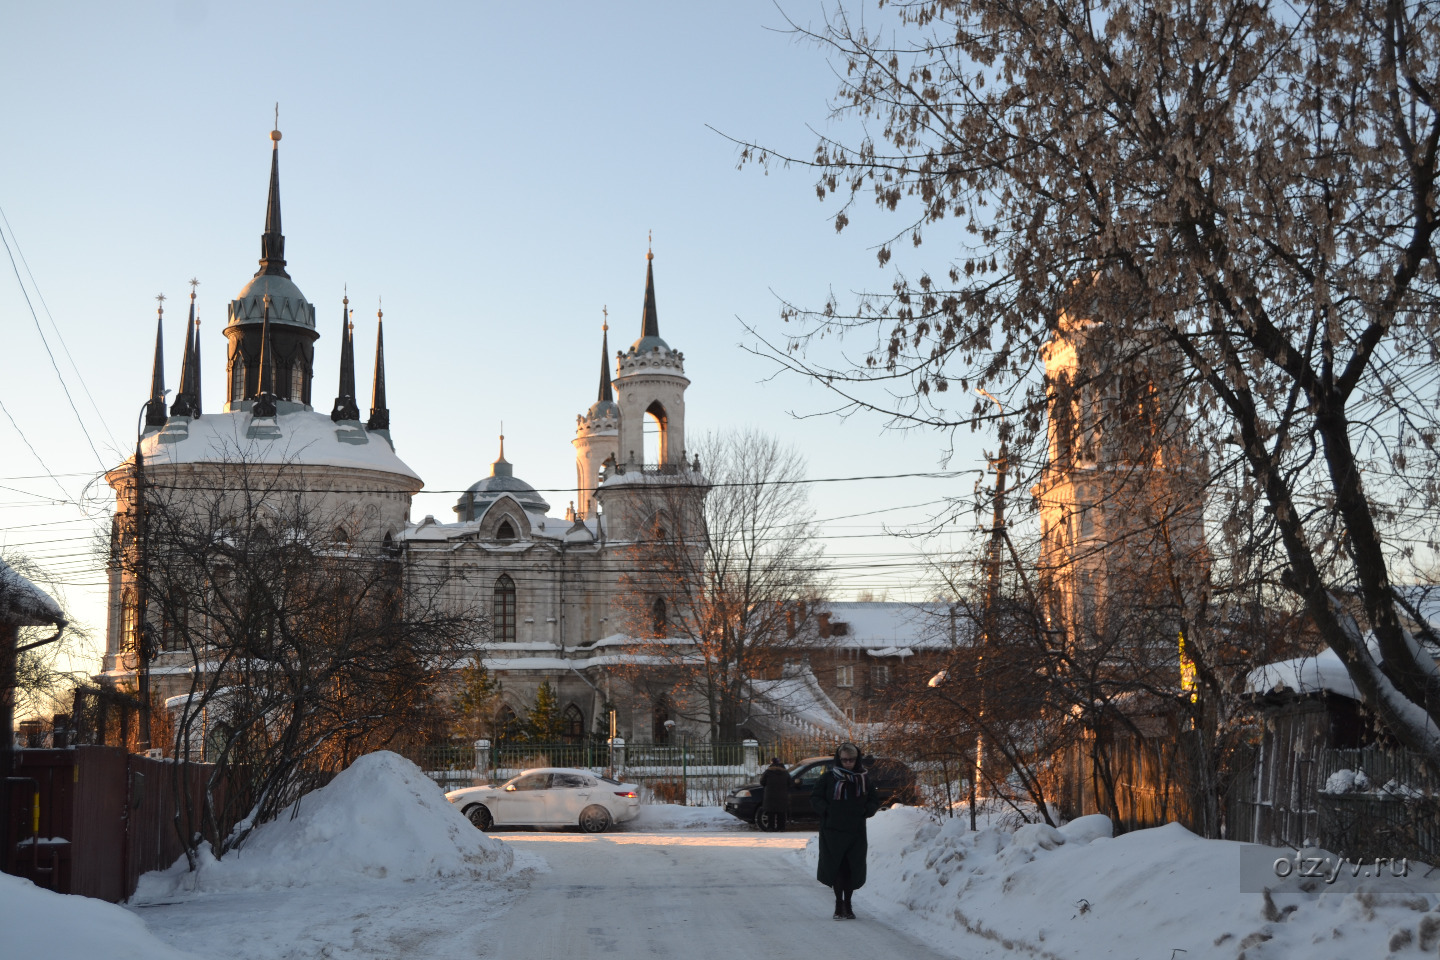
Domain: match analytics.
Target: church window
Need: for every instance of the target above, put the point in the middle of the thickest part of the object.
(129, 624)
(503, 614)
(655, 447)
(507, 724)
(506, 531)
(237, 378)
(659, 714)
(297, 380)
(573, 725)
(658, 620)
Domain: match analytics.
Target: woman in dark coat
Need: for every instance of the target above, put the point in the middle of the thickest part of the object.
(845, 798)
(775, 801)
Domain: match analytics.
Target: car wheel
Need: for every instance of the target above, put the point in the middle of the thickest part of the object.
(594, 819)
(480, 816)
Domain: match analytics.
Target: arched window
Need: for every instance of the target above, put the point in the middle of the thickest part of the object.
(656, 437)
(573, 725)
(507, 724)
(129, 624)
(503, 610)
(237, 379)
(506, 531)
(297, 380)
(659, 713)
(658, 621)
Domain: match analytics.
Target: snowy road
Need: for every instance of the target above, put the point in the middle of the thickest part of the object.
(681, 894)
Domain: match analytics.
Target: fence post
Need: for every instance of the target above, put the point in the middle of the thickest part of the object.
(482, 761)
(617, 755)
(752, 756)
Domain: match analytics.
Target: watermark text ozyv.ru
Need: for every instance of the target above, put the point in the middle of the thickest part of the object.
(1318, 871)
(1328, 868)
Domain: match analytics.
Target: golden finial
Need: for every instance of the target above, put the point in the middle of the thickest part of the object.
(193, 284)
(606, 325)
(379, 313)
(347, 295)
(160, 299)
(502, 439)
(275, 134)
(650, 245)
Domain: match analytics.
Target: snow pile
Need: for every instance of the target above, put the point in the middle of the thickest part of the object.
(1346, 781)
(381, 818)
(672, 816)
(38, 923)
(1076, 893)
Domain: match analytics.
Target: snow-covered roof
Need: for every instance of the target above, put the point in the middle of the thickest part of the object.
(798, 700)
(23, 604)
(887, 629)
(1321, 673)
(297, 437)
(542, 527)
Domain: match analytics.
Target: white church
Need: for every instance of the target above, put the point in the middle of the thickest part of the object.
(548, 584)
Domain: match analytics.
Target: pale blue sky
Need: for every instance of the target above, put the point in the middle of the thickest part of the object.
(491, 170)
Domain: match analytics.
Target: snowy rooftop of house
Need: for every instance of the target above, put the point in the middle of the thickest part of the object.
(297, 437)
(1321, 673)
(24, 604)
(886, 628)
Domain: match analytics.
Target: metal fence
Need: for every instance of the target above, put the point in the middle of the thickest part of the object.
(696, 773)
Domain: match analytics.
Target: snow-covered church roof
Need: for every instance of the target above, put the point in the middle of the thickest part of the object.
(296, 438)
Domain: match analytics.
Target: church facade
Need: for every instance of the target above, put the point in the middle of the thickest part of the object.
(552, 584)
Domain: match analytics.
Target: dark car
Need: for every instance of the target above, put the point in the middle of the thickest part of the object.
(894, 782)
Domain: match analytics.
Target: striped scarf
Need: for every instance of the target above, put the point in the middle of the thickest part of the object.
(849, 784)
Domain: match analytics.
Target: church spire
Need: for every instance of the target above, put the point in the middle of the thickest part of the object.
(155, 409)
(650, 322)
(379, 413)
(272, 241)
(196, 391)
(606, 394)
(186, 402)
(345, 406)
(265, 400)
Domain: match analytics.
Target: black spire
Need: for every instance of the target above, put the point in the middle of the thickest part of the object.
(185, 399)
(650, 322)
(265, 400)
(605, 392)
(155, 409)
(196, 393)
(345, 406)
(379, 413)
(272, 241)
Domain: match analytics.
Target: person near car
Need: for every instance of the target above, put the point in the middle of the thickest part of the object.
(844, 796)
(775, 802)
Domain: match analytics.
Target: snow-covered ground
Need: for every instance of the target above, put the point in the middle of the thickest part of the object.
(1079, 894)
(378, 865)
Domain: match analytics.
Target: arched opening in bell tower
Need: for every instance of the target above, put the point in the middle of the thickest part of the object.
(657, 424)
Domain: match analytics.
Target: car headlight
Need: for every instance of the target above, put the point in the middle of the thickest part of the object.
(741, 793)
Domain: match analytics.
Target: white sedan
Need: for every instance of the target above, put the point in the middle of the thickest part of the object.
(550, 796)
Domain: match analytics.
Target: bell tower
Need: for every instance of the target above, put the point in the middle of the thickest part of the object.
(650, 384)
(597, 434)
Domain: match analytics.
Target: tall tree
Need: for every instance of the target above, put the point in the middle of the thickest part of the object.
(724, 584)
(1249, 187)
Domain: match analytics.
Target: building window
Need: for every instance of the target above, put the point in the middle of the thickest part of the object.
(839, 628)
(657, 617)
(297, 380)
(879, 674)
(845, 675)
(129, 625)
(503, 613)
(573, 727)
(237, 380)
(506, 531)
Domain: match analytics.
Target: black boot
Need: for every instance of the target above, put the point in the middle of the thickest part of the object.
(839, 904)
(845, 905)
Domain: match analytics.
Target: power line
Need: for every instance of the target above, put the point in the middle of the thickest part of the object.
(48, 352)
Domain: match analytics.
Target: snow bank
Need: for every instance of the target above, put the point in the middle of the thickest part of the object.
(672, 816)
(38, 923)
(381, 818)
(1076, 893)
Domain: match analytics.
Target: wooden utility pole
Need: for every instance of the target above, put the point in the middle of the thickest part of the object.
(993, 562)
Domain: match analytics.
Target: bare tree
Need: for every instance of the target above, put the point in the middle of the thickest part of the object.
(300, 649)
(727, 580)
(1246, 187)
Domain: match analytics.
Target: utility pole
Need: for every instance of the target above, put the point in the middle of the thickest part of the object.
(993, 563)
(142, 600)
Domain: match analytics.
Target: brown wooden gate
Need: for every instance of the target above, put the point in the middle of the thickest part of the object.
(104, 817)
